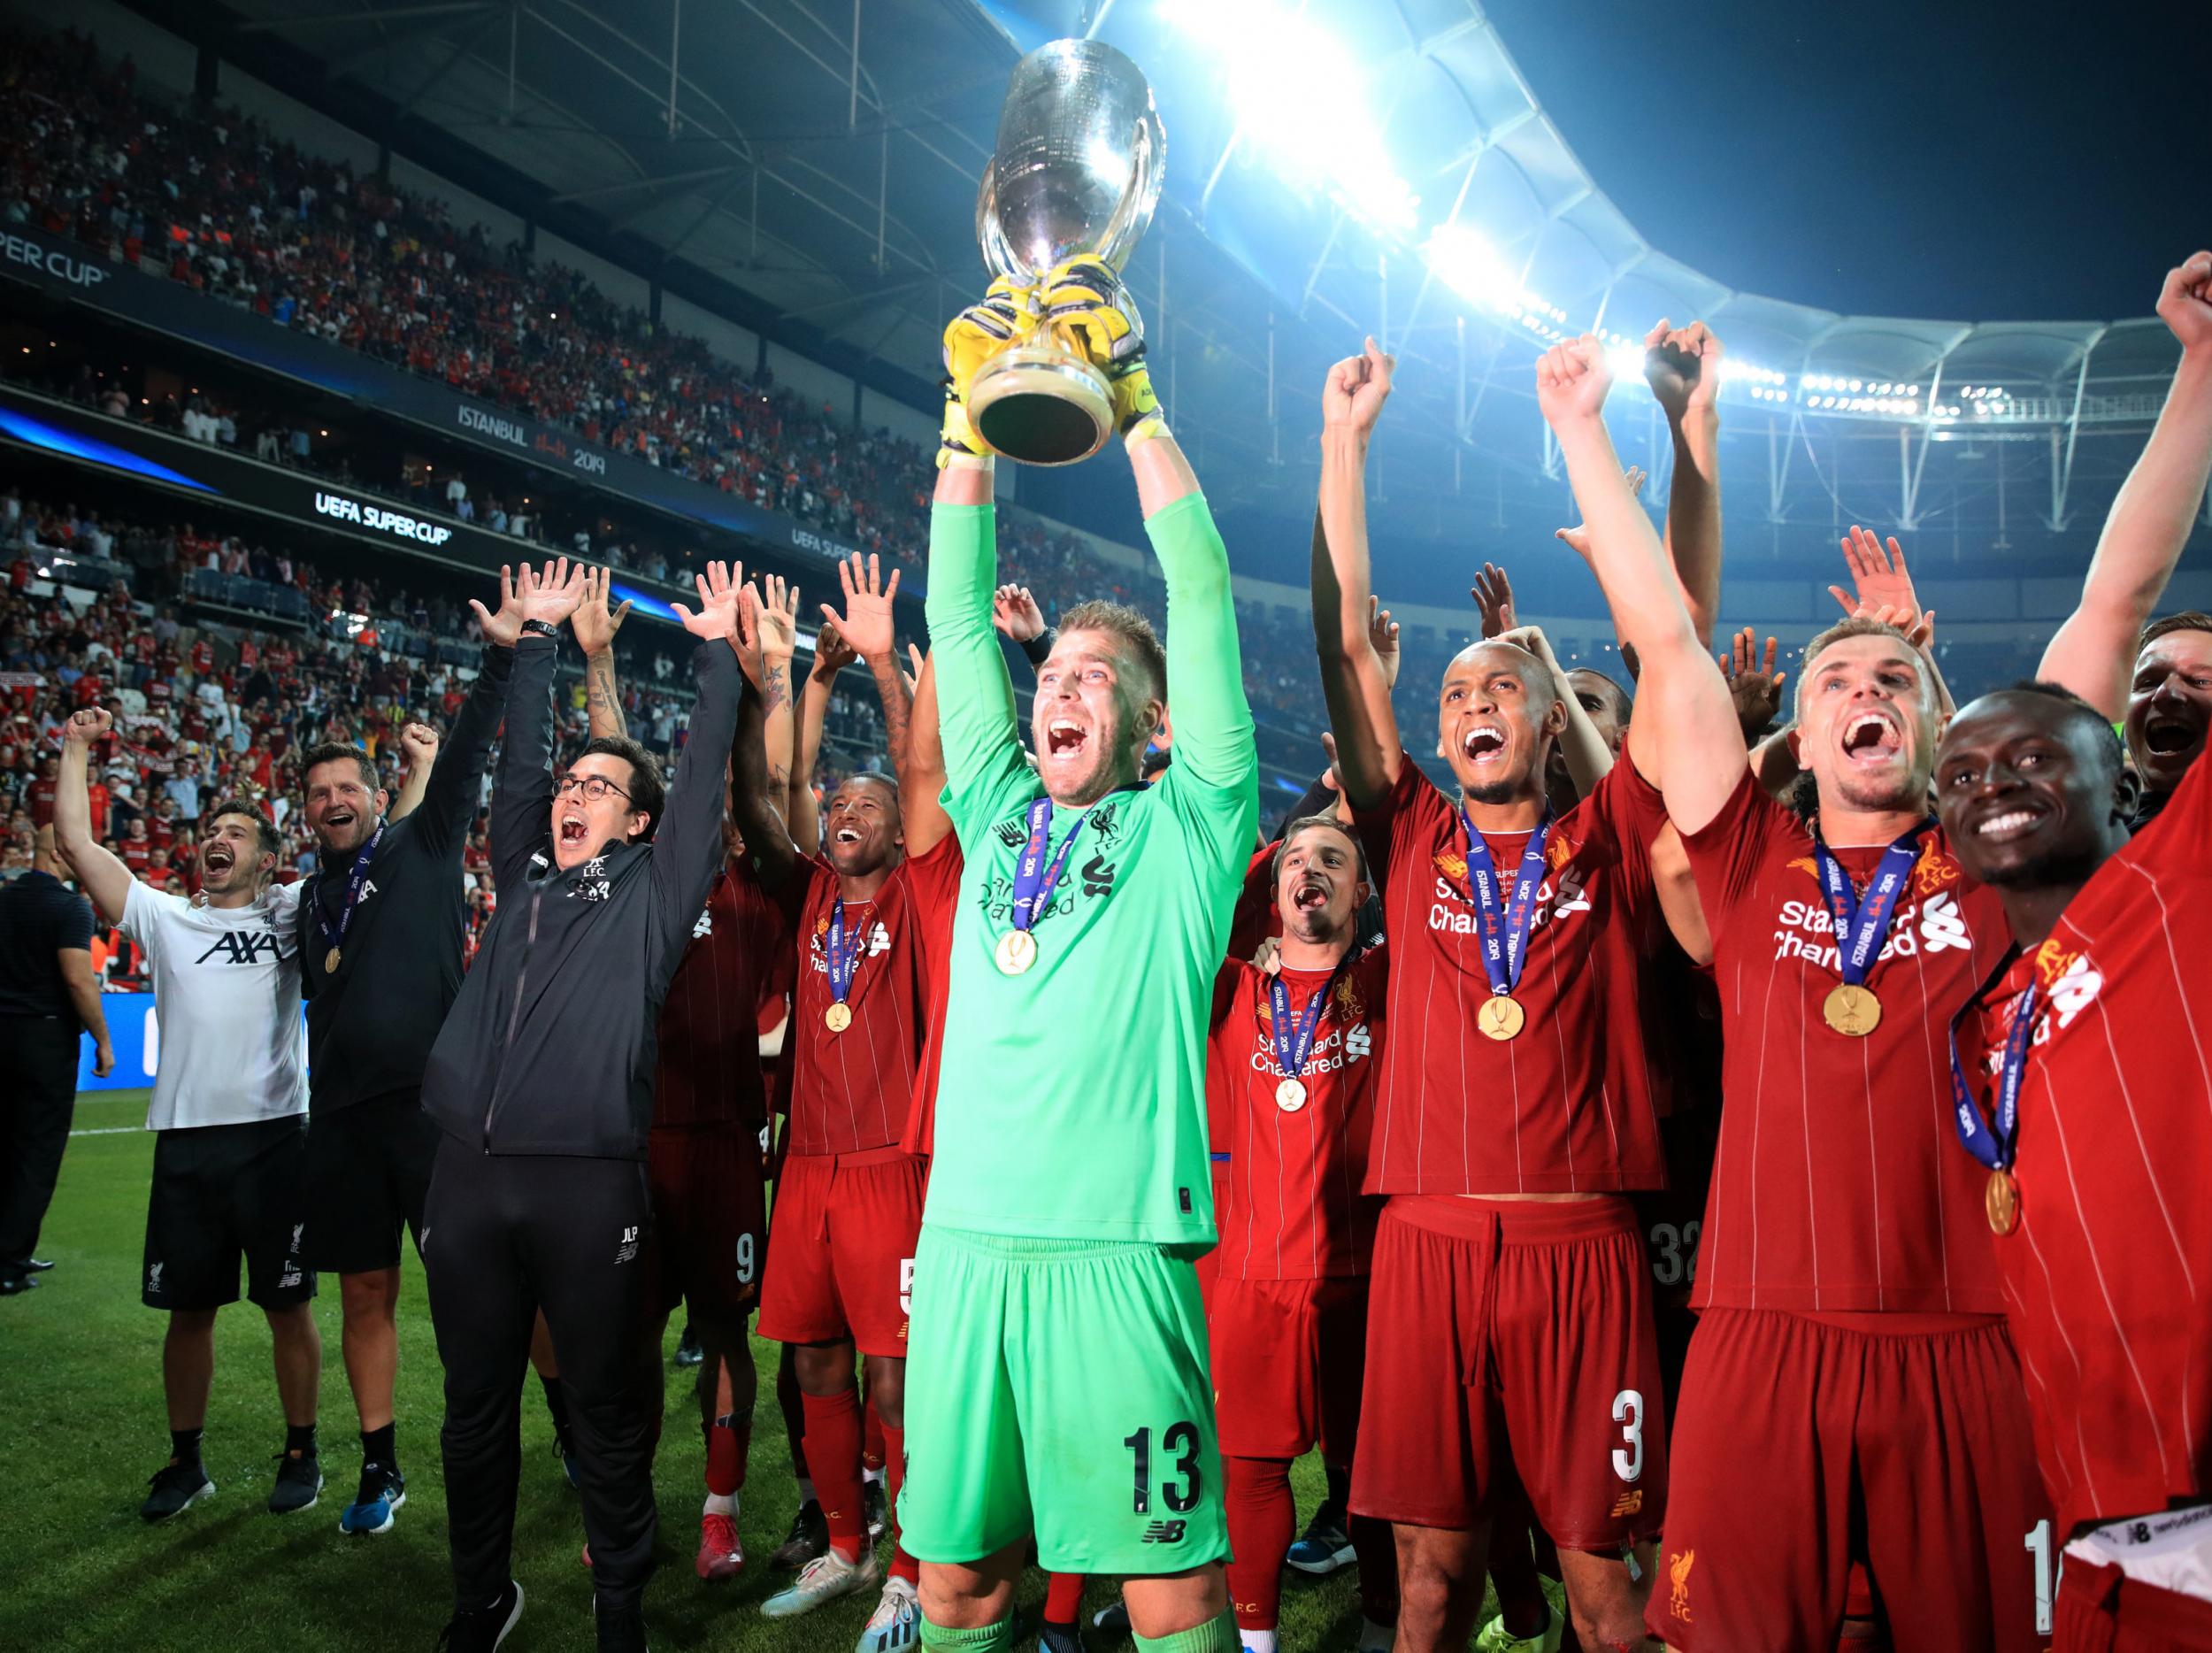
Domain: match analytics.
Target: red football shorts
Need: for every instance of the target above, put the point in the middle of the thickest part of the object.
(2100, 1609)
(1801, 1445)
(1521, 1325)
(1287, 1358)
(710, 1221)
(842, 1237)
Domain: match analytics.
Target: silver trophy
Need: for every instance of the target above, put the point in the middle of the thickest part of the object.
(1077, 170)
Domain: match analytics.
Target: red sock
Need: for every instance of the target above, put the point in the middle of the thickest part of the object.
(902, 1565)
(832, 1455)
(1378, 1554)
(872, 1437)
(1263, 1520)
(729, 1437)
(1063, 1597)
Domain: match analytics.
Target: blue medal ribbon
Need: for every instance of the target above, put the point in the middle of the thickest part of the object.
(1293, 1045)
(1505, 933)
(355, 879)
(1995, 1142)
(843, 959)
(1034, 880)
(1862, 922)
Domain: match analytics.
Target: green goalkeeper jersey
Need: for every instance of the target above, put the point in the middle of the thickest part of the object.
(1071, 1099)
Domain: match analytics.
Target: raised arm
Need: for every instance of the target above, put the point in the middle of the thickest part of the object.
(767, 638)
(1588, 756)
(866, 625)
(419, 742)
(1881, 589)
(1022, 623)
(688, 842)
(1683, 366)
(105, 879)
(831, 655)
(982, 740)
(522, 794)
(1688, 708)
(1214, 743)
(1369, 752)
(922, 768)
(752, 796)
(2093, 652)
(596, 625)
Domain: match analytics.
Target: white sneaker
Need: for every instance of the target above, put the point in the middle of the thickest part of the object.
(827, 1578)
(897, 1623)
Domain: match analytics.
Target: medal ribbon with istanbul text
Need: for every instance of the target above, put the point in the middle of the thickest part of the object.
(1861, 926)
(1504, 934)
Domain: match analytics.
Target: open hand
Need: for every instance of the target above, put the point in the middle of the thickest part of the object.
(866, 624)
(1757, 688)
(1878, 579)
(553, 593)
(502, 628)
(1492, 593)
(716, 614)
(594, 624)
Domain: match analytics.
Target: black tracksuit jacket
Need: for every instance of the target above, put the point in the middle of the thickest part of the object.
(549, 1048)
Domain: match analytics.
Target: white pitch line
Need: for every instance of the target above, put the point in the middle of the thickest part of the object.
(110, 1130)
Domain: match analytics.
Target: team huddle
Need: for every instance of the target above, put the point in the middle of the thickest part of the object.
(1724, 1174)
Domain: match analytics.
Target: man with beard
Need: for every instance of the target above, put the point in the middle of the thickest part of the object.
(1850, 1339)
(2166, 696)
(229, 1109)
(381, 930)
(1290, 1070)
(2083, 1103)
(849, 1195)
(541, 1084)
(1514, 1112)
(1057, 1378)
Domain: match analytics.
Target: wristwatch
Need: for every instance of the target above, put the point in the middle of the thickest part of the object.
(540, 628)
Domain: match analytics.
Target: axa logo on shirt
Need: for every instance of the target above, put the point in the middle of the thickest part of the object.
(1933, 926)
(242, 947)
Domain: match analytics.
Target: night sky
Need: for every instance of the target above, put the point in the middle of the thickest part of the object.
(1969, 162)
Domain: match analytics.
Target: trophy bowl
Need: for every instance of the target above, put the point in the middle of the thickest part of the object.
(1077, 169)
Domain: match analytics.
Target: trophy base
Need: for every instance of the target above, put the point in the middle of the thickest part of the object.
(1039, 404)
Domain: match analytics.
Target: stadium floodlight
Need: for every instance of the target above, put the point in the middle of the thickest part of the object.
(1280, 68)
(1463, 260)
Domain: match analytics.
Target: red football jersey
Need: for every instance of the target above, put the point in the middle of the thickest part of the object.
(2108, 1280)
(1838, 1186)
(1565, 1107)
(852, 1091)
(1293, 1207)
(708, 1071)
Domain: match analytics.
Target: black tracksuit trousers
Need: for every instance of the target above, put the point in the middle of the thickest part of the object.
(505, 1235)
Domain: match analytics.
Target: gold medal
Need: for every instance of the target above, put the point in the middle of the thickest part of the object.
(837, 1018)
(1501, 1016)
(1290, 1095)
(330, 962)
(2001, 1200)
(1016, 951)
(1852, 1012)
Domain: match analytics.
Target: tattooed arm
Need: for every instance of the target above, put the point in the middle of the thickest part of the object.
(595, 627)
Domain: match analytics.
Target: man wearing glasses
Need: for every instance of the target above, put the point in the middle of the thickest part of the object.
(541, 1082)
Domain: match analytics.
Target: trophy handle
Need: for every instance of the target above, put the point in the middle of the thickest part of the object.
(1133, 211)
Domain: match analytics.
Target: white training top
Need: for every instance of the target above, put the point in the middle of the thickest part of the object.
(232, 1045)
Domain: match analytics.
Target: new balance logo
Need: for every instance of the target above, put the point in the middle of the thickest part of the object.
(626, 1252)
(1164, 1533)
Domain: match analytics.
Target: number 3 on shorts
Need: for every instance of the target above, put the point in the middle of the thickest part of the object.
(1628, 1412)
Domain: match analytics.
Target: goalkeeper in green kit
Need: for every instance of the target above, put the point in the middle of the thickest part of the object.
(1056, 1377)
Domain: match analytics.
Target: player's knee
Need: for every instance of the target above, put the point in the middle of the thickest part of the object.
(1427, 1592)
(823, 1369)
(372, 1296)
(887, 1391)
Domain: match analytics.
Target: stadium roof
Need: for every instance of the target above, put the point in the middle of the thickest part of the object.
(822, 156)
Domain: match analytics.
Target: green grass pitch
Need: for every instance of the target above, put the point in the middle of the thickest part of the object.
(81, 1428)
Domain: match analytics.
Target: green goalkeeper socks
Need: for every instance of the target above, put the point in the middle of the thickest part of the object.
(998, 1638)
(1217, 1635)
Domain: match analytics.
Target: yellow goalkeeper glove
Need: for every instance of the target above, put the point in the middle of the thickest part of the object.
(1086, 303)
(1006, 316)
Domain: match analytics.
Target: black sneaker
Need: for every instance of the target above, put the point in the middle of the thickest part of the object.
(299, 1482)
(481, 1629)
(687, 1351)
(177, 1488)
(1326, 1546)
(808, 1540)
(877, 1507)
(621, 1629)
(1053, 1638)
(383, 1489)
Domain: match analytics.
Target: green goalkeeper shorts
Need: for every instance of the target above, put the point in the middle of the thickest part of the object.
(1059, 1386)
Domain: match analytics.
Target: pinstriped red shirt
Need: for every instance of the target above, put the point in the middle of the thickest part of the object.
(1838, 1186)
(707, 1069)
(1565, 1107)
(851, 1091)
(2108, 1280)
(1293, 1209)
